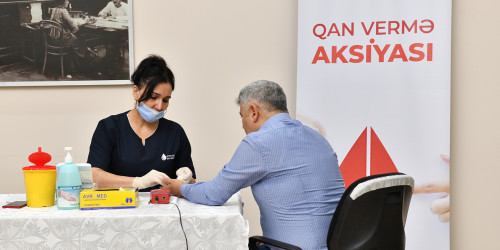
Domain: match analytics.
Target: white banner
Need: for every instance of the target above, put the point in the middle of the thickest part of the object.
(374, 78)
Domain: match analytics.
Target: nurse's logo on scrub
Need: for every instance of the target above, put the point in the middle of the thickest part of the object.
(167, 157)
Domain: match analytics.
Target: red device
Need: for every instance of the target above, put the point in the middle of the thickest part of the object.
(15, 204)
(160, 196)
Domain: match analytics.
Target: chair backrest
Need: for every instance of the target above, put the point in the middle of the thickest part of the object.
(372, 214)
(52, 33)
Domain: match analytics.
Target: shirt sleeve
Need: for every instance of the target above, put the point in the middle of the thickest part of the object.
(183, 157)
(245, 168)
(106, 9)
(101, 147)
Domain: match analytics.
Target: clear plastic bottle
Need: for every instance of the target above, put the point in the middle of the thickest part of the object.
(69, 184)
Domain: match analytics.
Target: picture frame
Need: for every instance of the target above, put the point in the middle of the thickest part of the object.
(99, 51)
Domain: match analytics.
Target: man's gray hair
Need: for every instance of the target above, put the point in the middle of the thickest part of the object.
(269, 94)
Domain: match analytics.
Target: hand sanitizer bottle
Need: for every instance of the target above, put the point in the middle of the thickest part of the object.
(69, 184)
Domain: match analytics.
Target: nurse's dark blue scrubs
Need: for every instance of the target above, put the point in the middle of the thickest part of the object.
(117, 149)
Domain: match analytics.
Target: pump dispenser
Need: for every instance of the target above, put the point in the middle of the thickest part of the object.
(69, 184)
(68, 158)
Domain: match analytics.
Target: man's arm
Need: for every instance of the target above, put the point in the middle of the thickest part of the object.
(245, 168)
(106, 10)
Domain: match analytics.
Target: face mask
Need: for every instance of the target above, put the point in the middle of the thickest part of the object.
(148, 114)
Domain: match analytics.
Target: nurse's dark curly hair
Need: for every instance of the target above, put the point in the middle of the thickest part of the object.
(150, 72)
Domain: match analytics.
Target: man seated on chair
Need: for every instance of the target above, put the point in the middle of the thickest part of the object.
(292, 169)
(114, 8)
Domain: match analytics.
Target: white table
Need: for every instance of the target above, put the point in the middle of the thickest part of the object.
(150, 226)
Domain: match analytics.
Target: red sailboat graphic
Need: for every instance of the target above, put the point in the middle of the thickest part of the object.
(356, 164)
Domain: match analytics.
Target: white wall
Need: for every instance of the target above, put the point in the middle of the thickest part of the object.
(215, 48)
(475, 133)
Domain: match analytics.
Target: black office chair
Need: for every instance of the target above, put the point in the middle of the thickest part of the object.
(371, 215)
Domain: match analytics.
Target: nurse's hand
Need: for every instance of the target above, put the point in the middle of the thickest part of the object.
(184, 174)
(152, 178)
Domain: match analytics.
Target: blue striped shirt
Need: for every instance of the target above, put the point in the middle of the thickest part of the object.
(295, 179)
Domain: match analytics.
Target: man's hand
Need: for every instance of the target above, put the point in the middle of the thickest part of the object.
(150, 179)
(174, 186)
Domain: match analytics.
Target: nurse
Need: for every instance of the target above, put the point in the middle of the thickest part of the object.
(139, 148)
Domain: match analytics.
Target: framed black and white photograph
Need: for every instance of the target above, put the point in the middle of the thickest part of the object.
(65, 42)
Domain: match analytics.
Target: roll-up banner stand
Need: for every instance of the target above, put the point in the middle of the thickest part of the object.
(374, 78)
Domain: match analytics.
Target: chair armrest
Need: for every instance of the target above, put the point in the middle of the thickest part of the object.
(252, 242)
(28, 26)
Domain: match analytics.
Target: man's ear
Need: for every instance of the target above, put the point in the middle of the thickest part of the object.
(254, 112)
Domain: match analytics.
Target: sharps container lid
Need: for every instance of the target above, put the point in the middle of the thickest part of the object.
(39, 159)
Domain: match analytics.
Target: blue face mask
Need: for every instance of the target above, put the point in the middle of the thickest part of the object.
(148, 114)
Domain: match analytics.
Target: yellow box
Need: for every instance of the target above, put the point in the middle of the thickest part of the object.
(109, 198)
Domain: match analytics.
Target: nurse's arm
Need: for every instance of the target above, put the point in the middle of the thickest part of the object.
(105, 179)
